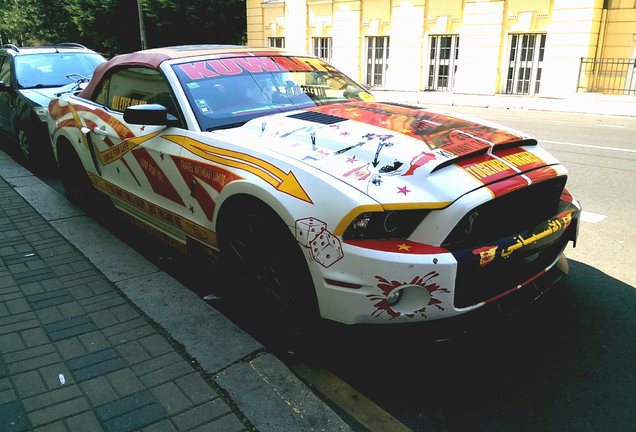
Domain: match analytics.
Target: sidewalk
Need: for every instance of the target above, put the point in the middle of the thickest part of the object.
(579, 103)
(93, 337)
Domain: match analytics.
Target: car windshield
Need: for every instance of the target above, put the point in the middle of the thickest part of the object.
(53, 69)
(228, 92)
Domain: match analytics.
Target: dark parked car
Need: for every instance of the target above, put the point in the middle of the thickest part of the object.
(29, 78)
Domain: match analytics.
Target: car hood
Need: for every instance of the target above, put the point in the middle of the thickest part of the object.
(40, 96)
(396, 153)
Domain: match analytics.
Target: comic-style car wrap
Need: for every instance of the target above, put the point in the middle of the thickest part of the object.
(333, 203)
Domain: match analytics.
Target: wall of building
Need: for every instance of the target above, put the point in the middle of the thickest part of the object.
(486, 30)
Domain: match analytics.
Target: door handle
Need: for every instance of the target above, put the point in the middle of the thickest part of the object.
(100, 131)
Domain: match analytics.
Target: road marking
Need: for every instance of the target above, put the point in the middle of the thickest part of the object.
(590, 146)
(558, 122)
(613, 126)
(370, 415)
(592, 217)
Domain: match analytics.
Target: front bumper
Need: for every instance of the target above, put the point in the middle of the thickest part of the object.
(438, 283)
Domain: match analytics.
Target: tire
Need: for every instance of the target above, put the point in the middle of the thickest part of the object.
(260, 256)
(36, 156)
(77, 186)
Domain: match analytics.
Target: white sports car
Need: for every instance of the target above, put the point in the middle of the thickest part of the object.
(330, 203)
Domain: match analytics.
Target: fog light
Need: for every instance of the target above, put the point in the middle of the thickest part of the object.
(394, 297)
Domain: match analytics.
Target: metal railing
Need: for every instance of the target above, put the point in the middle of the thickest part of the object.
(610, 76)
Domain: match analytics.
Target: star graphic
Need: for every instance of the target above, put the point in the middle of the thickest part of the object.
(406, 131)
(142, 128)
(352, 159)
(403, 190)
(345, 133)
(117, 170)
(296, 144)
(404, 247)
(162, 156)
(192, 209)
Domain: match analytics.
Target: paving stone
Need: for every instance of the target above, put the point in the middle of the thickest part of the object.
(157, 363)
(196, 389)
(103, 301)
(33, 275)
(17, 306)
(58, 426)
(49, 315)
(94, 341)
(59, 411)
(28, 384)
(70, 348)
(162, 426)
(171, 398)
(49, 298)
(95, 364)
(13, 418)
(131, 335)
(51, 376)
(11, 342)
(29, 353)
(69, 327)
(130, 413)
(228, 423)
(155, 345)
(125, 382)
(83, 423)
(34, 337)
(124, 327)
(124, 313)
(132, 352)
(71, 310)
(200, 415)
(168, 373)
(52, 397)
(7, 396)
(4, 311)
(103, 318)
(98, 391)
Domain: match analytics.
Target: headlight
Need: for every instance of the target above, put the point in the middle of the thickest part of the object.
(42, 113)
(398, 224)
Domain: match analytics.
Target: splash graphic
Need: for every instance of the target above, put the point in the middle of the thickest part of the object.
(425, 284)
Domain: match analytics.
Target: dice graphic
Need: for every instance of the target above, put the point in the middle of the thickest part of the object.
(326, 249)
(308, 229)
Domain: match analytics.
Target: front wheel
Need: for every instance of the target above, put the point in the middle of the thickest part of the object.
(260, 256)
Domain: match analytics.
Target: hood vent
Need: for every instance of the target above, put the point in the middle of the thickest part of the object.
(317, 117)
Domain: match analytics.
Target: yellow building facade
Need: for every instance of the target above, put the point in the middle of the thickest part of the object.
(530, 47)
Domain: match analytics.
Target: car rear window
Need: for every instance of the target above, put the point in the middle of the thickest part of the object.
(54, 69)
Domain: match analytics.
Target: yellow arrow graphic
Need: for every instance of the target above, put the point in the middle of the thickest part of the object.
(117, 152)
(277, 178)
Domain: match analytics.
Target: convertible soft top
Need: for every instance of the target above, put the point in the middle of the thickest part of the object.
(152, 58)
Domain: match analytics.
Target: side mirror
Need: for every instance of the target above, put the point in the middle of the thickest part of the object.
(149, 114)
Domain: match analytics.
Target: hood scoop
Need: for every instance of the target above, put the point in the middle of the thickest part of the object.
(317, 117)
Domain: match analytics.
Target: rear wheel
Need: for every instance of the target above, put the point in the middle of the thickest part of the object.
(260, 256)
(77, 185)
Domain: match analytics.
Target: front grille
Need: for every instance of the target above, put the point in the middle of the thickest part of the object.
(507, 215)
(475, 284)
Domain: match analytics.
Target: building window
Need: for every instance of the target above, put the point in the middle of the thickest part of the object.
(322, 48)
(377, 56)
(442, 66)
(525, 63)
(276, 42)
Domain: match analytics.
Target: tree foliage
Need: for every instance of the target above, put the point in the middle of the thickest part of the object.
(112, 26)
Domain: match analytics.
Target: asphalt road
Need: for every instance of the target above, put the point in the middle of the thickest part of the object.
(565, 364)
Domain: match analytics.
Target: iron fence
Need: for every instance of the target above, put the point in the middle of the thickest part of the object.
(610, 76)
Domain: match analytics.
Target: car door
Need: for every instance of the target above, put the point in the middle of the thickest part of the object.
(135, 162)
(7, 95)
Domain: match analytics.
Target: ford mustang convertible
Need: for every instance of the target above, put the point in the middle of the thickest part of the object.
(311, 193)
